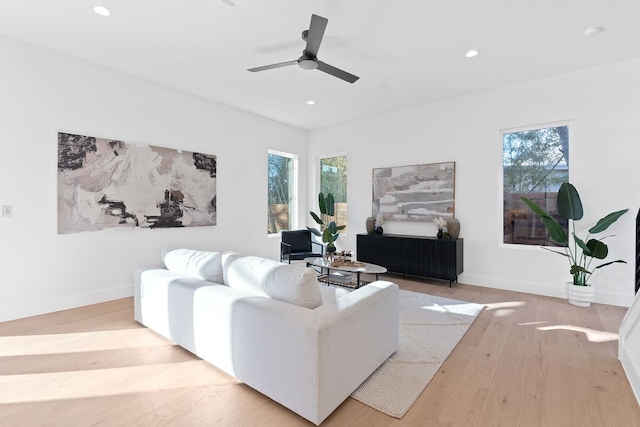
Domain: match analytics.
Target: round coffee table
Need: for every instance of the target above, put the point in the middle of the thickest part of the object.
(357, 269)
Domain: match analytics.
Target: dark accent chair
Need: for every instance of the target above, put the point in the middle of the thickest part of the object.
(297, 245)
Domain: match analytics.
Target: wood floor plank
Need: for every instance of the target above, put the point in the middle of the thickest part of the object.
(527, 360)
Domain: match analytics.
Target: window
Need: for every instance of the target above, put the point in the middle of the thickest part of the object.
(333, 179)
(535, 163)
(282, 180)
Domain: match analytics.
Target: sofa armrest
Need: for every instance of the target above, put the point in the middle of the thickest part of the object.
(360, 330)
(312, 360)
(137, 289)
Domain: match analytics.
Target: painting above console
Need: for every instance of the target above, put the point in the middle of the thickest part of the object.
(105, 183)
(414, 193)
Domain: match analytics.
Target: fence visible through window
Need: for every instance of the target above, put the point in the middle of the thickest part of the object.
(535, 164)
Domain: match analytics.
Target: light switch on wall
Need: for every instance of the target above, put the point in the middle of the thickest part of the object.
(7, 211)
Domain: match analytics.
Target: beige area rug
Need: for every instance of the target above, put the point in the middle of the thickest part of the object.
(430, 328)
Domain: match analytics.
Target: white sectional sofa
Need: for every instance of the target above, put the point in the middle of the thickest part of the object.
(271, 325)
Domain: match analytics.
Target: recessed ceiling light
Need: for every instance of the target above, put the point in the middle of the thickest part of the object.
(594, 31)
(471, 53)
(101, 10)
(311, 102)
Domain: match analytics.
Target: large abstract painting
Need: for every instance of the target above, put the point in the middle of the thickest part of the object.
(414, 193)
(105, 183)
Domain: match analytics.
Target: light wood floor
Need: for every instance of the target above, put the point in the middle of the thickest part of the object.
(526, 361)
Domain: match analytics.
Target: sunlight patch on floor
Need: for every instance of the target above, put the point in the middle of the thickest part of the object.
(501, 305)
(78, 342)
(504, 309)
(593, 335)
(108, 382)
(542, 322)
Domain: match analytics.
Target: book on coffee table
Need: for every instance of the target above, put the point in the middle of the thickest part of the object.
(343, 278)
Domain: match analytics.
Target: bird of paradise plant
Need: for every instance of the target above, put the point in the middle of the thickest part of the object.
(580, 252)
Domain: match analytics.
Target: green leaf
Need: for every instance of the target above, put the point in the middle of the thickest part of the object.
(315, 231)
(576, 269)
(316, 219)
(582, 245)
(569, 204)
(332, 227)
(611, 262)
(605, 222)
(322, 204)
(555, 230)
(341, 227)
(327, 237)
(597, 249)
(330, 203)
(554, 251)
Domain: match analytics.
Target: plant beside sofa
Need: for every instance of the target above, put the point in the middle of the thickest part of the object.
(580, 252)
(329, 230)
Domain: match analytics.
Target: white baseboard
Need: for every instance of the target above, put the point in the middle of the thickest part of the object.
(539, 288)
(64, 303)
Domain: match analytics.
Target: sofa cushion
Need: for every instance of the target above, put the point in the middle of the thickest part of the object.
(200, 264)
(290, 283)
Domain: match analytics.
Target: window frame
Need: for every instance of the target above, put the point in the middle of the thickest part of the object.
(569, 124)
(344, 232)
(293, 189)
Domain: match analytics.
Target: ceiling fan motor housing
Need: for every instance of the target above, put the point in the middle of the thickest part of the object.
(308, 63)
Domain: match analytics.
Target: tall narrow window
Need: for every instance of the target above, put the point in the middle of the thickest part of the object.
(282, 179)
(535, 164)
(333, 179)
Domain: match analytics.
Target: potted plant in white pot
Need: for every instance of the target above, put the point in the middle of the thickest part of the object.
(329, 230)
(580, 252)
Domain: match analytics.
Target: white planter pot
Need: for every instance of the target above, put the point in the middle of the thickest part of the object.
(581, 296)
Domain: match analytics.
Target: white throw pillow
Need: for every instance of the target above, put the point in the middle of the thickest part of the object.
(200, 264)
(290, 283)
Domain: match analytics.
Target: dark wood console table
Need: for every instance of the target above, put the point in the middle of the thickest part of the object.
(413, 255)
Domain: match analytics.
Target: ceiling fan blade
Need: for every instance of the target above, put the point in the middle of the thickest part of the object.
(314, 37)
(269, 67)
(336, 72)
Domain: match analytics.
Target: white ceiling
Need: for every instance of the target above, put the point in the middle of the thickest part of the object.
(405, 52)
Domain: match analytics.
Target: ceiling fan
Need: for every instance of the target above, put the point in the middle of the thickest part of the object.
(309, 60)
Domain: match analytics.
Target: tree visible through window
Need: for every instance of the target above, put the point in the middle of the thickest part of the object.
(281, 192)
(333, 179)
(535, 164)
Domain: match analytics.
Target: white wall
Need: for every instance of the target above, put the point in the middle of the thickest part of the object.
(603, 105)
(43, 92)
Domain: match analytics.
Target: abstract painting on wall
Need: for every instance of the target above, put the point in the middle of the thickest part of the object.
(414, 193)
(104, 183)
